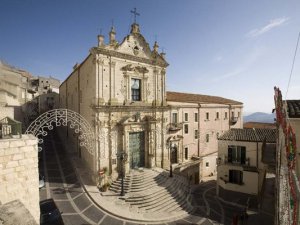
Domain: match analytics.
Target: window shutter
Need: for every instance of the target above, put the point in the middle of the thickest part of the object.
(243, 155)
(230, 154)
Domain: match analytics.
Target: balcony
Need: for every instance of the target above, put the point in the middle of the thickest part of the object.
(175, 127)
(245, 165)
(233, 120)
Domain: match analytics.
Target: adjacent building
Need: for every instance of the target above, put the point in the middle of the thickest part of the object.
(23, 96)
(198, 121)
(242, 159)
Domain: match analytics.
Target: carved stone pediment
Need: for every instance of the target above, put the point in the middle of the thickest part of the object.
(128, 67)
(149, 119)
(139, 69)
(136, 118)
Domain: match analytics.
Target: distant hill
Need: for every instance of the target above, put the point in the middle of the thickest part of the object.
(260, 117)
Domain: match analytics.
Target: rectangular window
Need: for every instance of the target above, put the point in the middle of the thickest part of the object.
(135, 89)
(174, 118)
(226, 116)
(207, 164)
(186, 153)
(217, 115)
(207, 137)
(232, 114)
(196, 134)
(235, 176)
(237, 154)
(207, 116)
(196, 117)
(186, 117)
(186, 128)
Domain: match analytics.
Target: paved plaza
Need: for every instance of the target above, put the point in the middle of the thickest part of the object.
(80, 201)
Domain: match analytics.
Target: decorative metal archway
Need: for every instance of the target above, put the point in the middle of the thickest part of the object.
(63, 117)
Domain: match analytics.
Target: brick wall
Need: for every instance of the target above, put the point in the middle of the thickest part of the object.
(19, 172)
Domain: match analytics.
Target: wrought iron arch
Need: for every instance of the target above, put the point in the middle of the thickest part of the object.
(63, 117)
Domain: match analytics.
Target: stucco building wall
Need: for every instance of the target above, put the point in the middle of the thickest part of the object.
(253, 170)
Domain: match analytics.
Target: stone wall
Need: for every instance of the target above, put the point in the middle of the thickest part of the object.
(19, 172)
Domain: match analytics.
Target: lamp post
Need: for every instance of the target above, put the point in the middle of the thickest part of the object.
(171, 146)
(123, 157)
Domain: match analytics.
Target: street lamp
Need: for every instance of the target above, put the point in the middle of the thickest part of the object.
(122, 156)
(171, 146)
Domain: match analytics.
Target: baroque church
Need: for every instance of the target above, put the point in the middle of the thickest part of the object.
(120, 89)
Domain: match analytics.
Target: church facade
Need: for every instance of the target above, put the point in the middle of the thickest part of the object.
(120, 89)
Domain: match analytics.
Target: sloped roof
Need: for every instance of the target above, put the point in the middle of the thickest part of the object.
(250, 135)
(197, 98)
(293, 108)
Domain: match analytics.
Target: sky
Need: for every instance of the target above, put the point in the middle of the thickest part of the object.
(235, 49)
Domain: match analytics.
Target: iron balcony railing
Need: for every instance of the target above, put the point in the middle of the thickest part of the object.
(233, 120)
(244, 164)
(10, 127)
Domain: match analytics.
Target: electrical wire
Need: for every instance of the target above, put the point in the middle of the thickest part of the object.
(294, 59)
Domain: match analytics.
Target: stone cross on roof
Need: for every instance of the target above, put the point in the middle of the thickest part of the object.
(135, 14)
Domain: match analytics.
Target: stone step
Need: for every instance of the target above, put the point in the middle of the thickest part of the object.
(153, 191)
(171, 197)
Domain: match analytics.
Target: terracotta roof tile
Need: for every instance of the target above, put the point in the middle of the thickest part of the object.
(197, 98)
(293, 108)
(250, 135)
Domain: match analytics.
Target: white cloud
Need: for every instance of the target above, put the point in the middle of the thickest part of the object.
(272, 24)
(243, 66)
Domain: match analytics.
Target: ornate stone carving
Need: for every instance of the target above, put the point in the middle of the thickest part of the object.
(128, 67)
(123, 88)
(141, 69)
(100, 62)
(157, 61)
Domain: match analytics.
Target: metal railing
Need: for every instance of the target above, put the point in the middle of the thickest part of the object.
(10, 127)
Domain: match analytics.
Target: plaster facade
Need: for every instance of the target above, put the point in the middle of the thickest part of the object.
(205, 122)
(251, 170)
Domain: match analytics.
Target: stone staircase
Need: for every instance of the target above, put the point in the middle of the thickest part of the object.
(153, 191)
